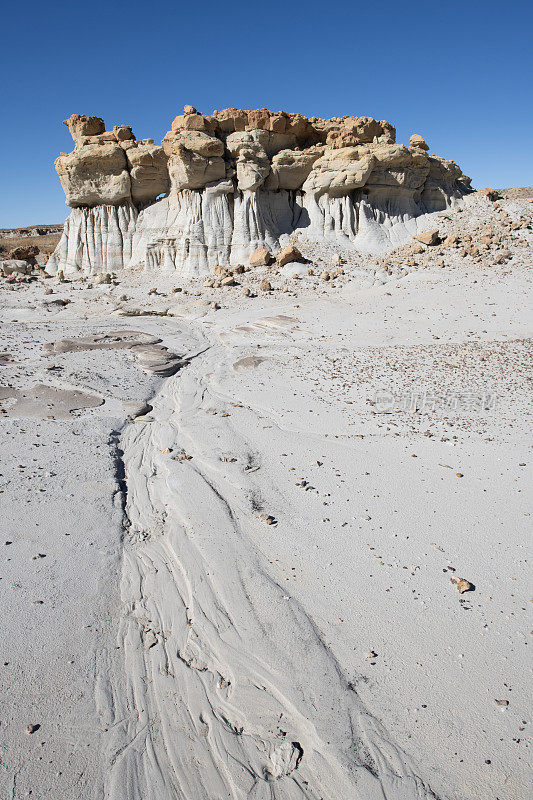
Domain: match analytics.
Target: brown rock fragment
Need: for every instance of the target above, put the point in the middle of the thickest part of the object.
(288, 254)
(261, 258)
(462, 585)
(429, 238)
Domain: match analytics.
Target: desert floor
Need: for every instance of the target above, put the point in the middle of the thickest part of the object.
(256, 568)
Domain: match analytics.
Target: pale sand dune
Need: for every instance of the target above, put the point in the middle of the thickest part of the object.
(172, 644)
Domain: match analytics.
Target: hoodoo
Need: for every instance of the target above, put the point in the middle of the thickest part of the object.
(221, 186)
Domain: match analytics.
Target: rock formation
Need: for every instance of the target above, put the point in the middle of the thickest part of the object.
(221, 186)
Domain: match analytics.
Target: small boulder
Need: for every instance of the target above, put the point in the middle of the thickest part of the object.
(288, 254)
(15, 266)
(261, 258)
(418, 141)
(27, 253)
(101, 278)
(265, 286)
(490, 194)
(428, 237)
(228, 281)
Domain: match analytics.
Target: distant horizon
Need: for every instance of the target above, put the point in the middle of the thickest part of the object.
(456, 75)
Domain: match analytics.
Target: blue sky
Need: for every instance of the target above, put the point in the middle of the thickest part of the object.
(459, 73)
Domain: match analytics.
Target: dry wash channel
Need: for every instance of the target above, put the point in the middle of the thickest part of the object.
(230, 691)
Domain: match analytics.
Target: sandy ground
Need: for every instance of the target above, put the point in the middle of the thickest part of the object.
(246, 591)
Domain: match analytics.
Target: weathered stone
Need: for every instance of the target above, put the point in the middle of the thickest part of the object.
(223, 185)
(15, 266)
(261, 258)
(94, 175)
(339, 172)
(27, 253)
(418, 141)
(288, 254)
(79, 125)
(148, 167)
(201, 142)
(490, 194)
(429, 238)
(354, 131)
(188, 170)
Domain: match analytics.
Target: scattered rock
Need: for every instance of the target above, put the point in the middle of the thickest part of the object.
(463, 585)
(429, 238)
(490, 194)
(32, 728)
(261, 258)
(102, 278)
(15, 267)
(288, 254)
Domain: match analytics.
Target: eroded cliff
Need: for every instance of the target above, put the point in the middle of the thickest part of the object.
(220, 186)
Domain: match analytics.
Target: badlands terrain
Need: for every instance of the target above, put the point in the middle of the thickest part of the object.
(265, 476)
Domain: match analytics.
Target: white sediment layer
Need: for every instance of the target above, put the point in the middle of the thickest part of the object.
(191, 231)
(96, 239)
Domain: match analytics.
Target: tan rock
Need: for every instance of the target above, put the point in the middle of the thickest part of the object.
(188, 170)
(94, 175)
(201, 142)
(230, 120)
(261, 258)
(79, 125)
(228, 281)
(148, 168)
(429, 238)
(418, 141)
(123, 133)
(192, 122)
(288, 254)
(189, 110)
(265, 286)
(490, 194)
(399, 167)
(354, 131)
(339, 172)
(290, 168)
(252, 163)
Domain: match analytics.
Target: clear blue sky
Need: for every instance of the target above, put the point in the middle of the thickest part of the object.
(459, 73)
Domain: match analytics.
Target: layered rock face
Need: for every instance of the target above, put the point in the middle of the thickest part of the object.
(238, 180)
(107, 179)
